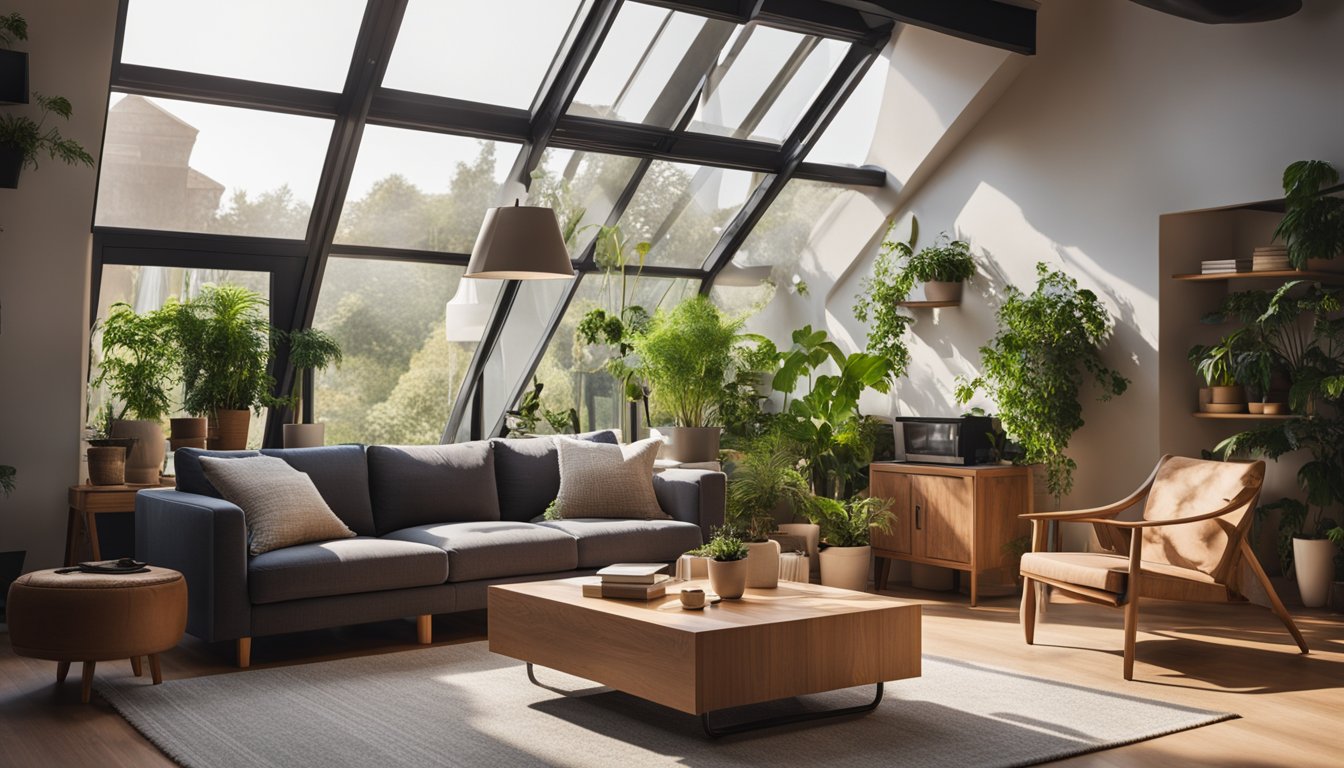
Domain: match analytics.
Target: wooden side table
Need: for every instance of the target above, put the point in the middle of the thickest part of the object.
(88, 501)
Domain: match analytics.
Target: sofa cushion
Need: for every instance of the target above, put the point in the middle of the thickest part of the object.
(280, 504)
(488, 550)
(613, 481)
(341, 475)
(414, 485)
(527, 473)
(603, 542)
(191, 478)
(343, 567)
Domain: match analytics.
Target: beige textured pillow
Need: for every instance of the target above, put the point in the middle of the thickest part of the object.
(602, 480)
(281, 504)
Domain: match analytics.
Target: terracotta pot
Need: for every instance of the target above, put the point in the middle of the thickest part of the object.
(728, 578)
(1274, 409)
(1227, 395)
(763, 564)
(107, 465)
(305, 435)
(939, 290)
(144, 462)
(692, 444)
(1314, 563)
(1255, 407)
(232, 429)
(187, 427)
(846, 567)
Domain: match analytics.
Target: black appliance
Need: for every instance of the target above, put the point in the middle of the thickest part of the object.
(959, 440)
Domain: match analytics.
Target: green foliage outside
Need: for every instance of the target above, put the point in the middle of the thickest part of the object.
(850, 523)
(1047, 348)
(140, 361)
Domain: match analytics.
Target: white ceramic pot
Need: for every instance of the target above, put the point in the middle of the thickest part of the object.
(811, 532)
(145, 459)
(728, 578)
(940, 290)
(305, 435)
(691, 444)
(1314, 562)
(763, 564)
(846, 567)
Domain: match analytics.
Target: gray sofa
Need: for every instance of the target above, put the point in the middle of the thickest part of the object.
(435, 525)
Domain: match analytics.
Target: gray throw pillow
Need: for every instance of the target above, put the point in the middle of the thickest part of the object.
(280, 503)
(614, 481)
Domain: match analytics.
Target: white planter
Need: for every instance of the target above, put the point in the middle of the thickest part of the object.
(305, 435)
(728, 578)
(1314, 562)
(145, 459)
(763, 564)
(940, 290)
(846, 567)
(690, 445)
(812, 533)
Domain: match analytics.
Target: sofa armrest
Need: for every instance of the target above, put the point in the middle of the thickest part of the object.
(693, 496)
(206, 540)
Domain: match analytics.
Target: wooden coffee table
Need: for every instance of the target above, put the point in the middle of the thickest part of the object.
(771, 644)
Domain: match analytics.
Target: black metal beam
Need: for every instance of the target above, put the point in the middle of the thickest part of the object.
(426, 112)
(226, 91)
(379, 253)
(845, 78)
(988, 22)
(850, 176)
(807, 17)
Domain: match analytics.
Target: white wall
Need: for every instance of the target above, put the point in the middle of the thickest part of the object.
(44, 275)
(1125, 114)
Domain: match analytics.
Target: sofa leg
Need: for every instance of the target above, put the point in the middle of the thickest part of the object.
(244, 652)
(424, 629)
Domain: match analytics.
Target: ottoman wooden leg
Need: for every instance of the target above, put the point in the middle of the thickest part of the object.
(62, 669)
(87, 685)
(154, 672)
(135, 666)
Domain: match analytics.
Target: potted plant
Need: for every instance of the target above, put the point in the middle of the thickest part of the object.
(1215, 364)
(226, 343)
(310, 350)
(686, 356)
(608, 332)
(22, 139)
(139, 368)
(727, 564)
(13, 64)
(106, 455)
(1272, 342)
(1048, 344)
(1313, 223)
(877, 305)
(765, 486)
(530, 412)
(846, 528)
(943, 267)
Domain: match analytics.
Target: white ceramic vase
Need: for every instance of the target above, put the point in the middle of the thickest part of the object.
(728, 578)
(1314, 562)
(846, 567)
(763, 564)
(145, 459)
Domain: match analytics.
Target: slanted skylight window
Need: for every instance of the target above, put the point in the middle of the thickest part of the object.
(583, 188)
(682, 209)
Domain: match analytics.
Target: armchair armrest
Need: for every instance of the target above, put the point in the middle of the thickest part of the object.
(693, 496)
(1238, 501)
(204, 538)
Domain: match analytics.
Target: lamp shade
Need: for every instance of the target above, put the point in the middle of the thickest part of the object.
(520, 242)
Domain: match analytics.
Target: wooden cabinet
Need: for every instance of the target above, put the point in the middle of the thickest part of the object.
(953, 517)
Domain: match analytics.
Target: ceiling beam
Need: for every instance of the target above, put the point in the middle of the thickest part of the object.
(1003, 25)
(225, 91)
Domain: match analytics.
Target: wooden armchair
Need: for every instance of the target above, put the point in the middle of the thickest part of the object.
(1188, 546)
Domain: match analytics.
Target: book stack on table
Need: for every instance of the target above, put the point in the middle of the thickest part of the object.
(630, 581)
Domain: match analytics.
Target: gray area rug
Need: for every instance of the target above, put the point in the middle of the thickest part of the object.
(460, 705)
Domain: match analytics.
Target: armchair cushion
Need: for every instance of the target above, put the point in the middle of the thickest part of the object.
(1186, 487)
(1110, 573)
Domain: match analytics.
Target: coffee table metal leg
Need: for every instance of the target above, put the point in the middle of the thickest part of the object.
(531, 675)
(802, 717)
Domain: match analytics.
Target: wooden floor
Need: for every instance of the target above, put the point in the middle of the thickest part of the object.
(1234, 658)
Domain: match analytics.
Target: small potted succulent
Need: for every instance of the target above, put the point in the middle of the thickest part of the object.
(727, 564)
(846, 528)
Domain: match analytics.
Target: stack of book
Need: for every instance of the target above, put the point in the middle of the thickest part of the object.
(1224, 266)
(1270, 258)
(630, 581)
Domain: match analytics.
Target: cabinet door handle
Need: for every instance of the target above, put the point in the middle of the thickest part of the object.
(917, 525)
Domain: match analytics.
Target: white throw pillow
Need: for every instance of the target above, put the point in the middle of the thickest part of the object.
(602, 480)
(282, 506)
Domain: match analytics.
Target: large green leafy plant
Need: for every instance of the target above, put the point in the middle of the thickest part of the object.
(1047, 347)
(226, 343)
(310, 350)
(878, 302)
(1313, 224)
(686, 356)
(139, 364)
(851, 523)
(765, 479)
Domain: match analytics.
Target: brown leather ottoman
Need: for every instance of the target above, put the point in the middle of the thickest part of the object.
(89, 617)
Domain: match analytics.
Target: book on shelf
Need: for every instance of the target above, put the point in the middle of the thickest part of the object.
(633, 573)
(643, 592)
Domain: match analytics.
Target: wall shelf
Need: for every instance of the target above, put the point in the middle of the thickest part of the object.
(1278, 274)
(1246, 416)
(928, 304)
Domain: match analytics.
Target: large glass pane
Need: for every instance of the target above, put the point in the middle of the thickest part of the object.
(147, 289)
(189, 167)
(572, 373)
(494, 52)
(765, 80)
(849, 137)
(649, 66)
(583, 188)
(429, 191)
(307, 43)
(402, 367)
(519, 339)
(682, 209)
